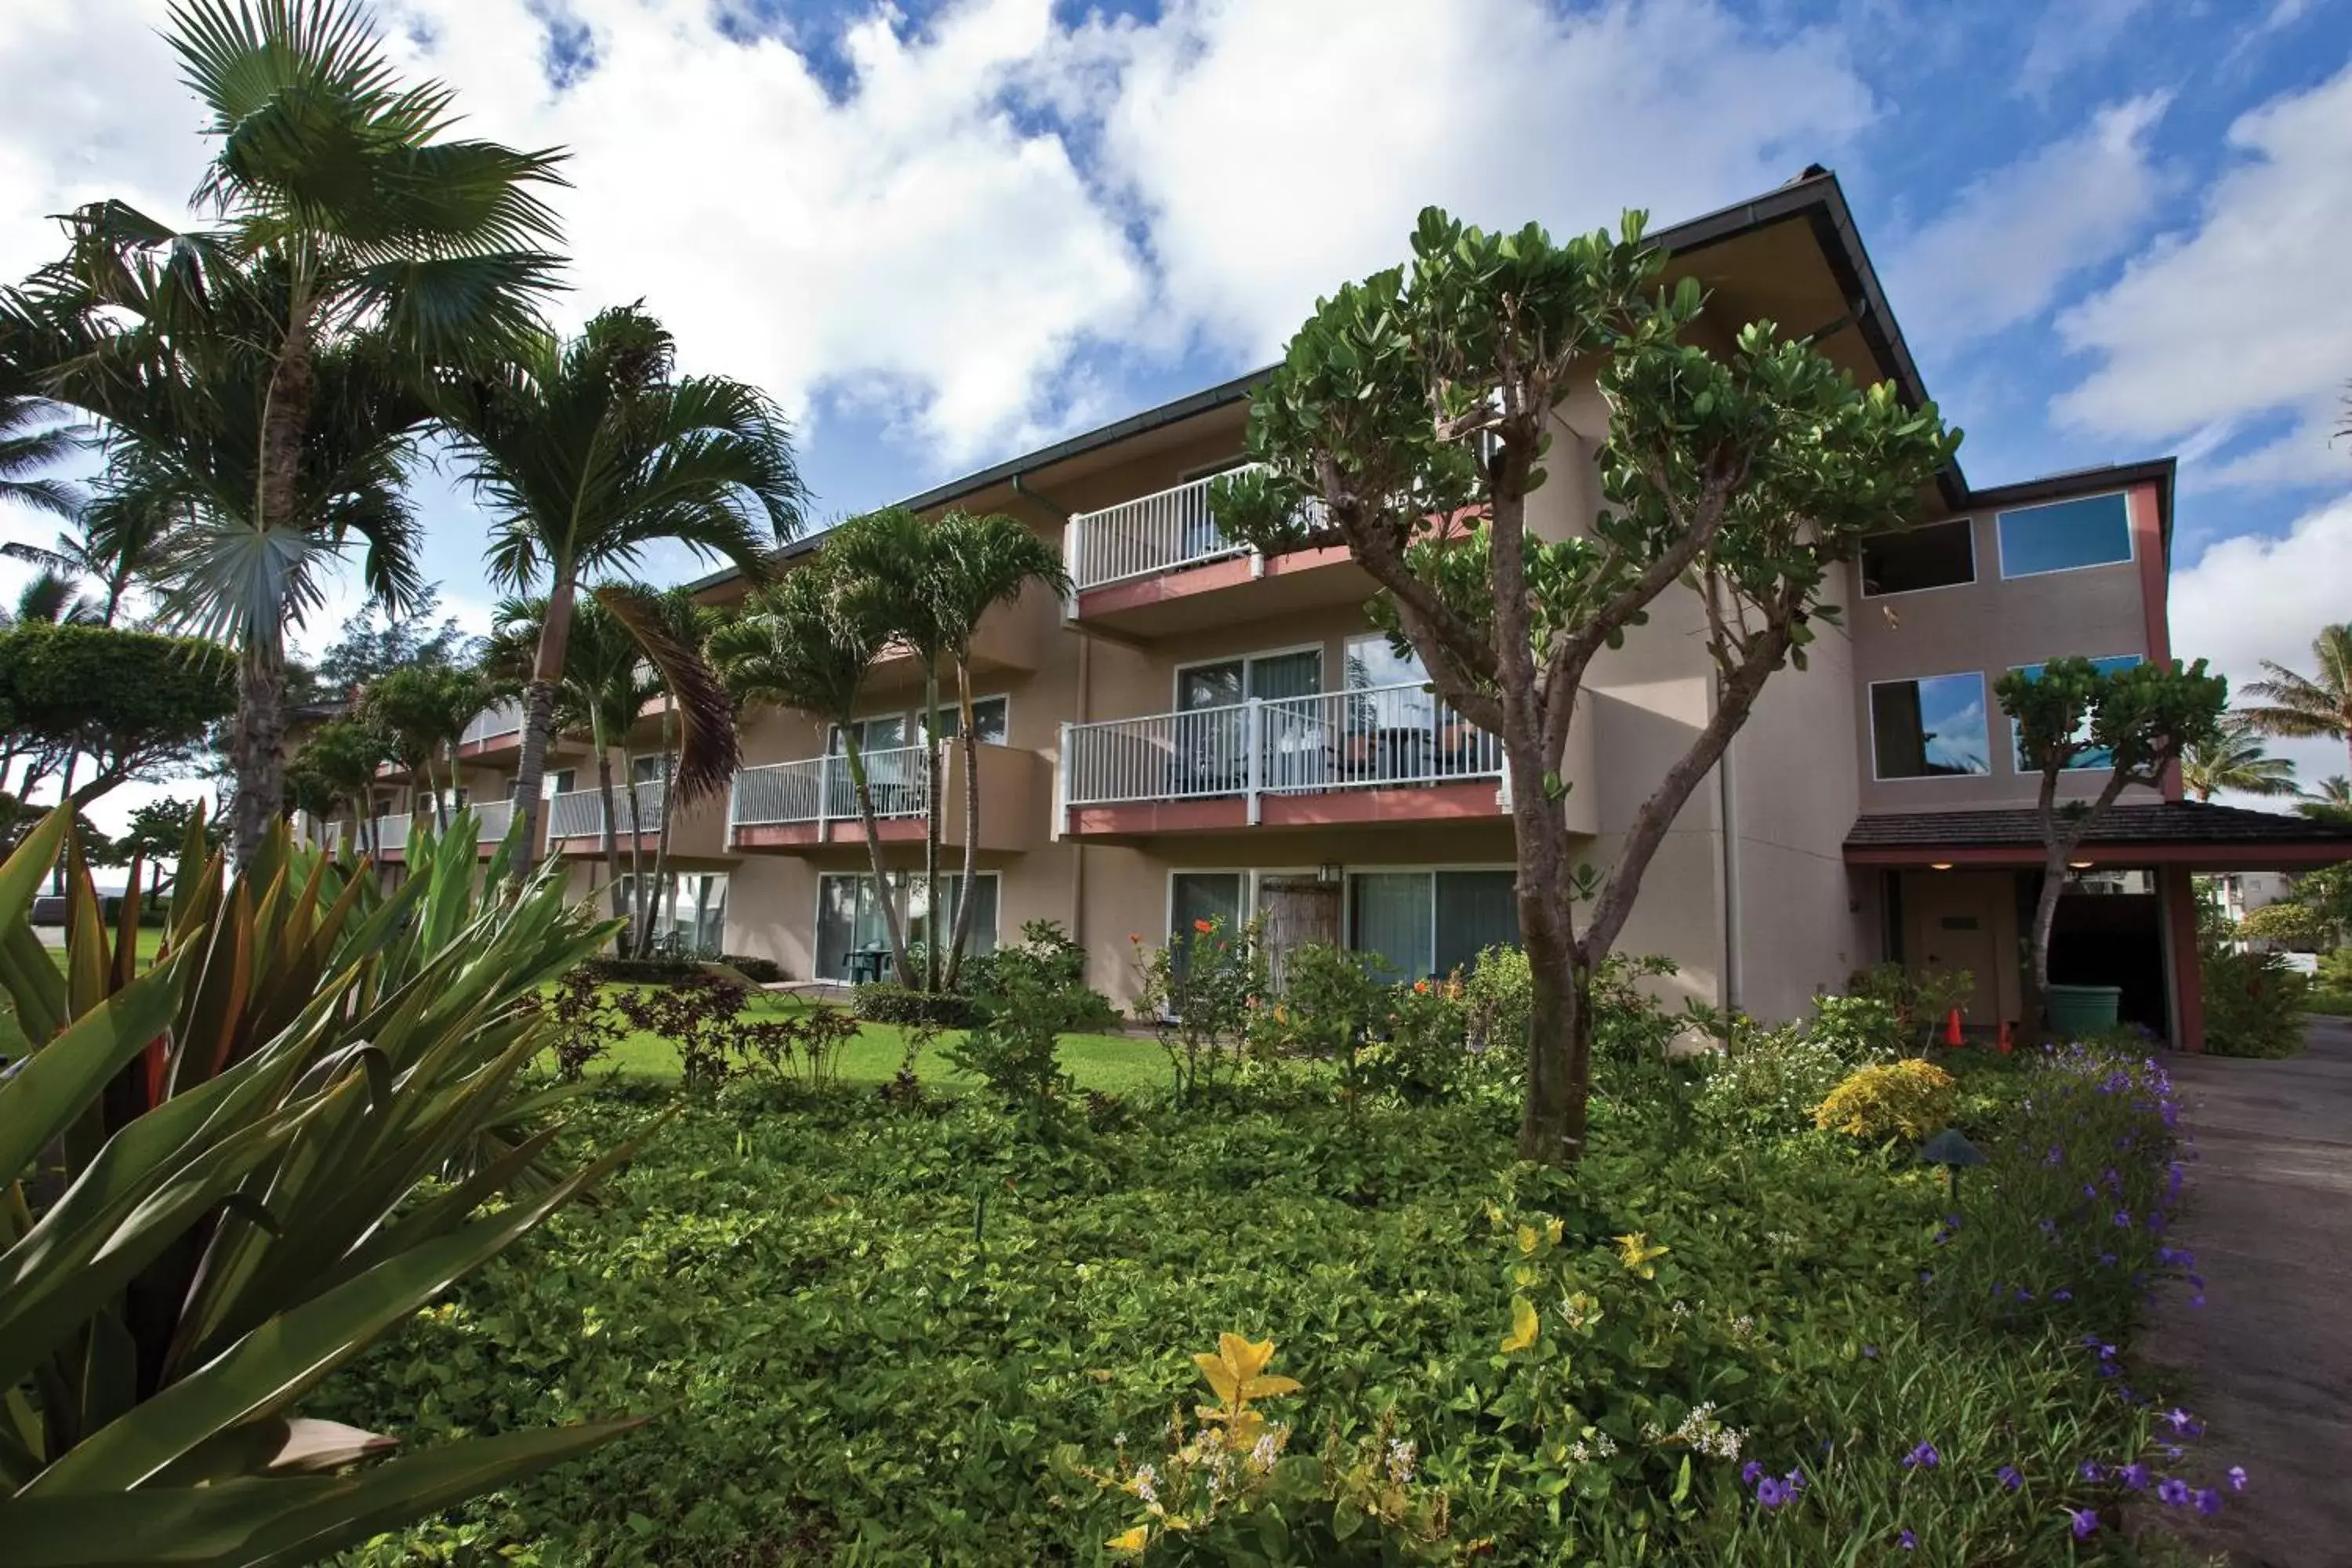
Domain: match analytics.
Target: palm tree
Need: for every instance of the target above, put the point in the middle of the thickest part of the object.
(2331, 801)
(2234, 761)
(35, 433)
(885, 573)
(426, 712)
(686, 624)
(53, 598)
(346, 228)
(2304, 707)
(114, 539)
(791, 647)
(591, 452)
(977, 564)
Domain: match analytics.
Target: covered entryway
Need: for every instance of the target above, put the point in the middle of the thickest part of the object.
(1958, 888)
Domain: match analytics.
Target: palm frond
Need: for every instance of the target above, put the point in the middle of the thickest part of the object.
(709, 749)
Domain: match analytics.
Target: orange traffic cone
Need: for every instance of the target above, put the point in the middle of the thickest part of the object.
(1952, 1029)
(2005, 1045)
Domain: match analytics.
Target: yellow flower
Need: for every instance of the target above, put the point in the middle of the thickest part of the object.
(1523, 1326)
(1527, 1238)
(1554, 1229)
(1129, 1540)
(1633, 1250)
(1237, 1371)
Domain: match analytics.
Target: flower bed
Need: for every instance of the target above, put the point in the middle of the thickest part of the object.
(929, 1334)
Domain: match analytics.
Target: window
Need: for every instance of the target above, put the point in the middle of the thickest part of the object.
(695, 909)
(646, 769)
(880, 733)
(849, 916)
(2064, 536)
(560, 782)
(1931, 728)
(989, 716)
(1427, 924)
(1937, 555)
(2099, 756)
(1211, 732)
(1372, 662)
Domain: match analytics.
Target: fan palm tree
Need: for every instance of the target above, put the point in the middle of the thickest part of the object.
(2234, 761)
(424, 712)
(791, 647)
(347, 228)
(50, 597)
(591, 452)
(976, 564)
(2299, 706)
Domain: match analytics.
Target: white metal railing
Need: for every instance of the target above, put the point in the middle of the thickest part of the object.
(388, 832)
(1150, 534)
(491, 820)
(1368, 738)
(580, 813)
(819, 789)
(505, 718)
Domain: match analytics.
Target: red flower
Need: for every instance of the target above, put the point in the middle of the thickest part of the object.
(1205, 927)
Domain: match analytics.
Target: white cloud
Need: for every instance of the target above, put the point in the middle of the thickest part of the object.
(1998, 256)
(1277, 151)
(2246, 316)
(2251, 598)
(2069, 35)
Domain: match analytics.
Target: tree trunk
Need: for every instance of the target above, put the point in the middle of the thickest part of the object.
(2045, 917)
(640, 906)
(612, 843)
(669, 806)
(64, 798)
(441, 803)
(931, 793)
(258, 740)
(257, 745)
(539, 718)
(856, 763)
(1560, 1032)
(970, 746)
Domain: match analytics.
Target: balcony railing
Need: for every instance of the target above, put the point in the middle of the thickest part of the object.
(581, 812)
(818, 789)
(1144, 536)
(491, 820)
(1371, 738)
(506, 719)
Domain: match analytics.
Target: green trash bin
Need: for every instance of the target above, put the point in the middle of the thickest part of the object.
(2076, 1010)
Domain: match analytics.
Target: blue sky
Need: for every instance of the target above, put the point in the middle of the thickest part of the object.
(944, 233)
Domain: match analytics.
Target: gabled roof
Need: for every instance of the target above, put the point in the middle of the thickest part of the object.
(2176, 832)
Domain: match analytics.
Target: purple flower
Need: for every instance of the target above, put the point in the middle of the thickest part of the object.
(2172, 1491)
(2135, 1476)
(2106, 1260)
(1793, 1482)
(2008, 1477)
(1870, 1353)
(2062, 1295)
(2180, 1420)
(2209, 1501)
(2123, 1219)
(2055, 1156)
(2091, 1471)
(1749, 1471)
(1923, 1457)
(2084, 1522)
(2196, 1300)
(1905, 1539)
(2237, 1478)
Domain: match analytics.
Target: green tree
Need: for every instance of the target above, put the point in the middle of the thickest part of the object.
(2299, 706)
(349, 234)
(2234, 761)
(98, 545)
(136, 705)
(591, 452)
(49, 597)
(376, 643)
(1748, 470)
(338, 765)
(976, 564)
(424, 712)
(790, 647)
(35, 433)
(156, 833)
(2330, 801)
(2073, 716)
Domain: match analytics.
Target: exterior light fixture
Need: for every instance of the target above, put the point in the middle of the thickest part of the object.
(1939, 864)
(2078, 865)
(1328, 872)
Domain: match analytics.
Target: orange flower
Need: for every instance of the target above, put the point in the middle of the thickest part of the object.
(1205, 927)
(1421, 987)
(1134, 939)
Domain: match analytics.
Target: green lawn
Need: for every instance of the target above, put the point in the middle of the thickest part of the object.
(150, 938)
(1112, 1064)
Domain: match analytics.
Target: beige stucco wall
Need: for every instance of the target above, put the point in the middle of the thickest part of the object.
(1988, 627)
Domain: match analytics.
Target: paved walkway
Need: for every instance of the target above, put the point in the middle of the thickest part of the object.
(2267, 1361)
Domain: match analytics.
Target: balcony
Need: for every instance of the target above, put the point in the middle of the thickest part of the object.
(810, 804)
(579, 817)
(1157, 565)
(1387, 754)
(387, 836)
(493, 731)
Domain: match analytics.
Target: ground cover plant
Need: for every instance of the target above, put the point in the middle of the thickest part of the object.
(946, 1328)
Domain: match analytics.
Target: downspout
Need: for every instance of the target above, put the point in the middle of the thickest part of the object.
(1728, 872)
(1086, 679)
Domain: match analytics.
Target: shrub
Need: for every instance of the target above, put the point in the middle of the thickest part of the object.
(1422, 1054)
(1771, 1079)
(1014, 1047)
(2329, 1004)
(2253, 1004)
(2334, 972)
(1499, 996)
(885, 1003)
(1045, 960)
(613, 969)
(1333, 1001)
(1909, 1098)
(1858, 1030)
(1921, 999)
(759, 971)
(1202, 992)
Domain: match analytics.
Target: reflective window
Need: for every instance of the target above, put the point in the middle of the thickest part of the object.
(2098, 757)
(1936, 555)
(2094, 530)
(1931, 728)
(988, 721)
(1427, 924)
